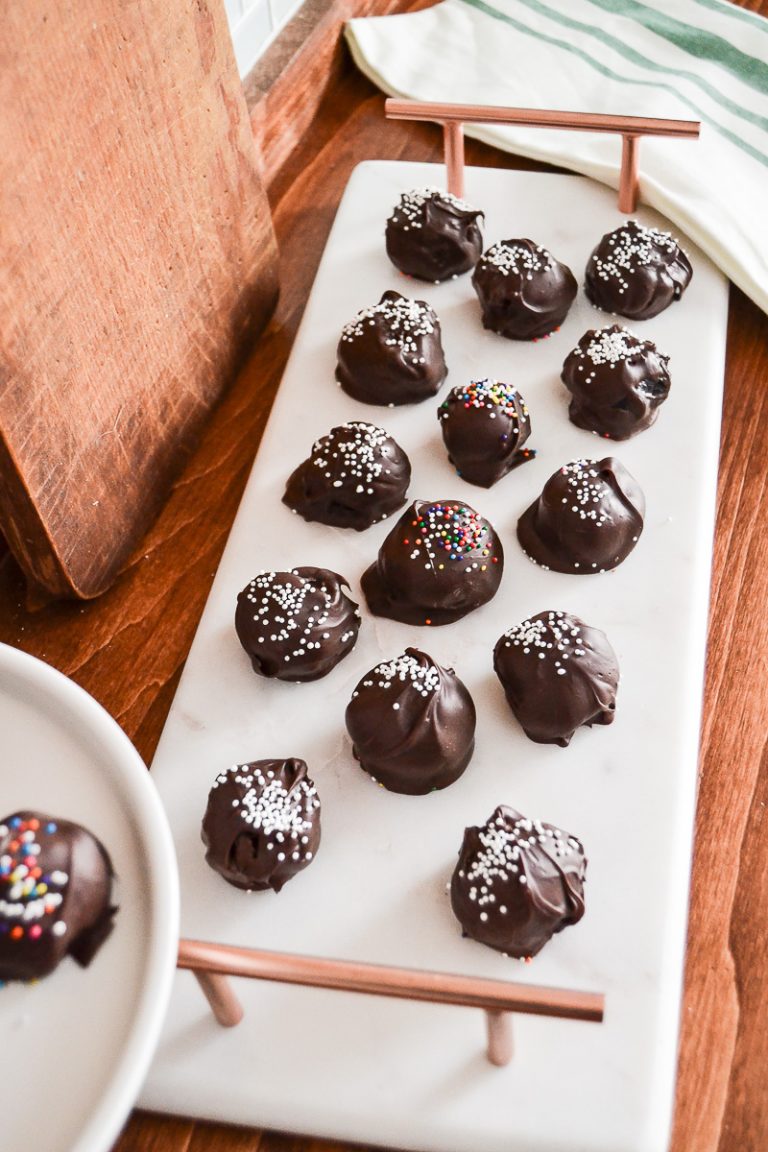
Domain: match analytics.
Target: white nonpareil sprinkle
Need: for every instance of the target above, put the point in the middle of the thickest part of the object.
(351, 454)
(514, 256)
(266, 805)
(410, 210)
(405, 669)
(505, 851)
(611, 346)
(559, 635)
(633, 247)
(586, 490)
(403, 322)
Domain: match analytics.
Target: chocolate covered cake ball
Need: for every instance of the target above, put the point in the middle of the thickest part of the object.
(296, 625)
(517, 882)
(485, 425)
(356, 476)
(524, 292)
(392, 353)
(262, 823)
(55, 895)
(412, 724)
(637, 271)
(587, 519)
(433, 235)
(440, 561)
(557, 674)
(616, 381)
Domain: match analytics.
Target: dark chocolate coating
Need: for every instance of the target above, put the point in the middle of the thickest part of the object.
(517, 882)
(433, 235)
(262, 823)
(485, 425)
(356, 476)
(55, 895)
(616, 381)
(557, 673)
(296, 625)
(637, 271)
(524, 292)
(440, 561)
(412, 724)
(392, 353)
(587, 519)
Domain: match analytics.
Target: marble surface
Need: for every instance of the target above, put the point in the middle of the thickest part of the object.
(414, 1076)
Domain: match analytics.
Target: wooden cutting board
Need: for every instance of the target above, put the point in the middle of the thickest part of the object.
(137, 262)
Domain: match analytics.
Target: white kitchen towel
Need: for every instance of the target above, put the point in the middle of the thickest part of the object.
(701, 60)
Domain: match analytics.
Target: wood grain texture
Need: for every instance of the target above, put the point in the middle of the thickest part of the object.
(287, 86)
(128, 647)
(137, 263)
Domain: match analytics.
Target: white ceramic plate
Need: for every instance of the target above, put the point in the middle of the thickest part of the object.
(75, 1046)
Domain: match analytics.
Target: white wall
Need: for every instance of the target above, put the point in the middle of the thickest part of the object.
(254, 25)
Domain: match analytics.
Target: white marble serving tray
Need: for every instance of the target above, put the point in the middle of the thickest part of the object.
(410, 1075)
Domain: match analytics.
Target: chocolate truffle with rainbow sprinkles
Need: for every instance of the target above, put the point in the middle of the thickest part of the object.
(440, 561)
(392, 353)
(518, 882)
(485, 425)
(262, 823)
(637, 272)
(524, 292)
(558, 674)
(55, 895)
(433, 235)
(412, 724)
(355, 476)
(587, 519)
(296, 625)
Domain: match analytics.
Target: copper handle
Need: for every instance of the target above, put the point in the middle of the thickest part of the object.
(631, 128)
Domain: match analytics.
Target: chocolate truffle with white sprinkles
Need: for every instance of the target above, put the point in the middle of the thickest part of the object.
(637, 271)
(433, 235)
(262, 823)
(392, 353)
(617, 382)
(557, 673)
(485, 424)
(296, 625)
(412, 724)
(55, 895)
(587, 519)
(518, 882)
(440, 561)
(355, 476)
(524, 292)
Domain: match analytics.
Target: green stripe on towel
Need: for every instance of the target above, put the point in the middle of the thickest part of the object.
(604, 70)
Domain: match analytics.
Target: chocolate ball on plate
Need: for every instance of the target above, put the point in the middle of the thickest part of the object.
(433, 235)
(296, 625)
(354, 477)
(617, 382)
(485, 424)
(518, 882)
(587, 519)
(412, 724)
(524, 292)
(55, 895)
(262, 823)
(637, 272)
(392, 353)
(558, 674)
(440, 561)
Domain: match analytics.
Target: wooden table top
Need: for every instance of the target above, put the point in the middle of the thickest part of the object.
(128, 648)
